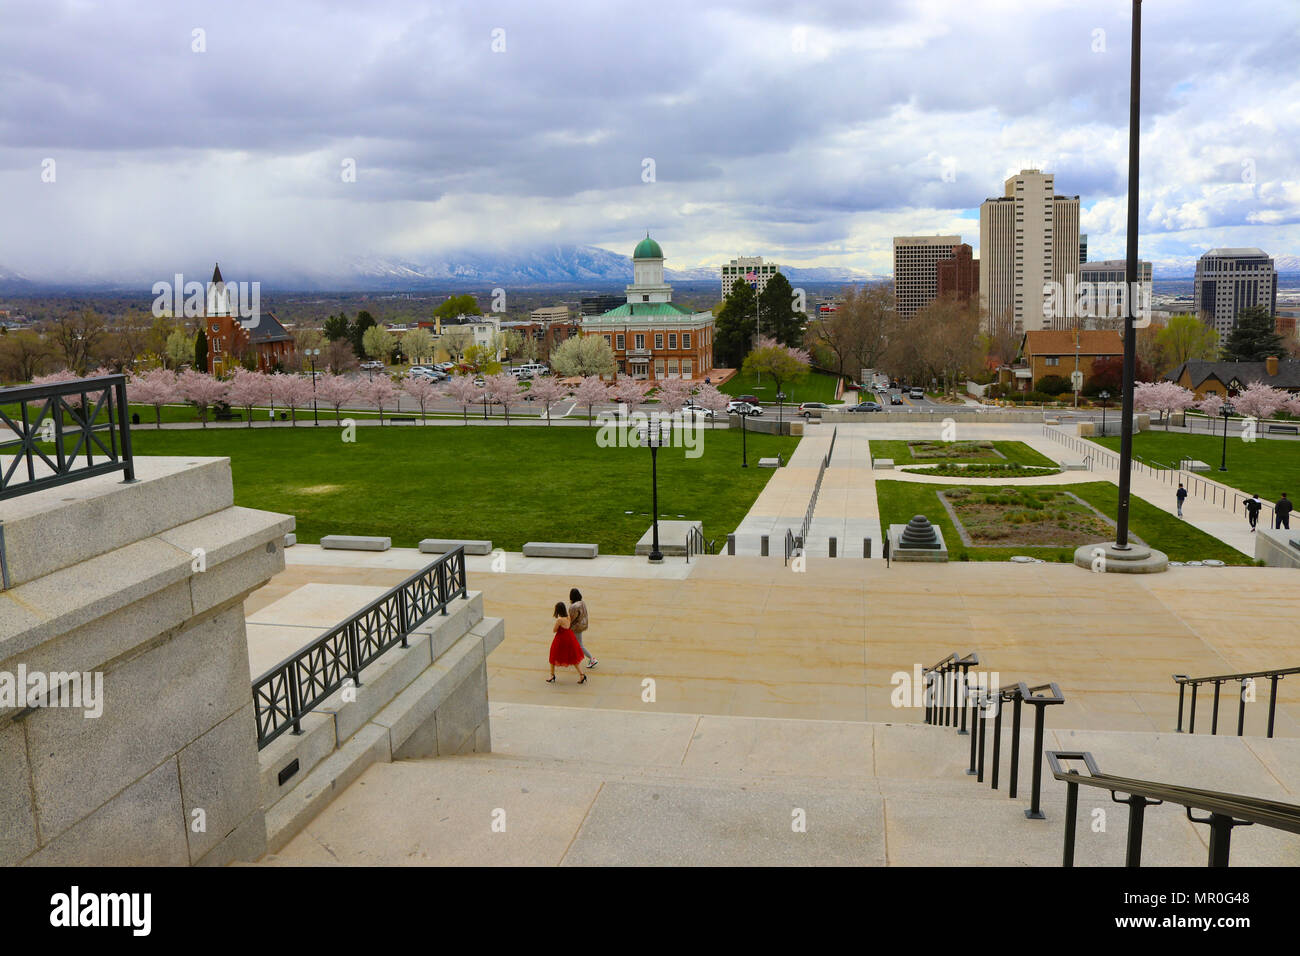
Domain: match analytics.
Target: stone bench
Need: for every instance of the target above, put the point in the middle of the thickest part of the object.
(769, 463)
(557, 549)
(1191, 464)
(401, 418)
(1072, 464)
(882, 463)
(1281, 429)
(355, 542)
(443, 545)
(290, 540)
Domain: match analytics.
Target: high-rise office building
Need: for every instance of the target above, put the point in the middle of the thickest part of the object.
(960, 275)
(743, 266)
(916, 279)
(1107, 279)
(1229, 280)
(1083, 247)
(1028, 238)
(600, 304)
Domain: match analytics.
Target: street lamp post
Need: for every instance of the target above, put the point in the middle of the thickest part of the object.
(653, 438)
(1227, 411)
(311, 355)
(780, 397)
(744, 453)
(1103, 395)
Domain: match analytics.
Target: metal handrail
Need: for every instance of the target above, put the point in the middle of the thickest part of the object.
(105, 393)
(1226, 810)
(302, 681)
(695, 543)
(1218, 680)
(793, 545)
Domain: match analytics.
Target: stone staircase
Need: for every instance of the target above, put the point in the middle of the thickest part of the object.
(610, 787)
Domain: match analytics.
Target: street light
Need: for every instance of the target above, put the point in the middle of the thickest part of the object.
(653, 437)
(311, 356)
(744, 454)
(780, 397)
(1103, 395)
(1226, 411)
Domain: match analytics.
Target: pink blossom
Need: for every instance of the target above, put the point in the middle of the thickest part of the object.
(504, 388)
(201, 390)
(629, 392)
(334, 391)
(422, 390)
(464, 393)
(155, 387)
(592, 390)
(248, 390)
(378, 392)
(545, 392)
(291, 391)
(1260, 401)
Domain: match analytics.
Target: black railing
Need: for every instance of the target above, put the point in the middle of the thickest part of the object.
(97, 425)
(299, 683)
(950, 700)
(696, 544)
(1090, 450)
(793, 545)
(1225, 810)
(945, 690)
(1244, 680)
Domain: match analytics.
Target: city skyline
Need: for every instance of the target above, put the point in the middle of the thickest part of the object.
(314, 136)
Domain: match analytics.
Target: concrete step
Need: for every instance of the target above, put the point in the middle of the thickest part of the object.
(571, 786)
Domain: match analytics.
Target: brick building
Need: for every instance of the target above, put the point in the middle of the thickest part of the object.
(231, 337)
(959, 275)
(651, 337)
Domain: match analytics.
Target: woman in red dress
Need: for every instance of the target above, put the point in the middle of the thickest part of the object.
(565, 649)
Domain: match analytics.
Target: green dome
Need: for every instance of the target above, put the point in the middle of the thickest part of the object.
(647, 248)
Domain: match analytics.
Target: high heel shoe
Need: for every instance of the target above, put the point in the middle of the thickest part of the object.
(551, 679)
(584, 679)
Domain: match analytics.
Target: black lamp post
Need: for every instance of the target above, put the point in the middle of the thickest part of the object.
(653, 438)
(744, 452)
(311, 356)
(1227, 411)
(780, 397)
(1103, 395)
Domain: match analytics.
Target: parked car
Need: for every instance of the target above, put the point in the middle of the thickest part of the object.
(866, 407)
(743, 408)
(699, 412)
(916, 393)
(747, 398)
(367, 366)
(895, 399)
(812, 409)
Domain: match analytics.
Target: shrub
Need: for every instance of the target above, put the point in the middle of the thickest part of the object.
(1052, 385)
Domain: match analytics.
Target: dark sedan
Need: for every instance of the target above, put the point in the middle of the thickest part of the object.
(866, 407)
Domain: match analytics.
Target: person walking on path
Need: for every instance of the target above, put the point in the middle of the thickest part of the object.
(1182, 496)
(1282, 512)
(565, 649)
(578, 615)
(1253, 504)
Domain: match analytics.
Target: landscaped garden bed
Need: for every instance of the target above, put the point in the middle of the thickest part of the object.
(990, 470)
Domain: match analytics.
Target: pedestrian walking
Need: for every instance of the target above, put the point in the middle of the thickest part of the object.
(1182, 496)
(1282, 512)
(578, 615)
(1253, 504)
(565, 649)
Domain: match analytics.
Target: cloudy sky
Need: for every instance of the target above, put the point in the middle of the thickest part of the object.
(179, 132)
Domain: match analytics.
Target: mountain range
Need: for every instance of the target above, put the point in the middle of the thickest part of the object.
(572, 266)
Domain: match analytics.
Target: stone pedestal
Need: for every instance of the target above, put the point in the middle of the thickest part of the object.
(1136, 559)
(918, 540)
(137, 589)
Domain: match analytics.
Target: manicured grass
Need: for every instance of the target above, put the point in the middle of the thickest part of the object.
(900, 500)
(1015, 452)
(506, 485)
(817, 387)
(1266, 466)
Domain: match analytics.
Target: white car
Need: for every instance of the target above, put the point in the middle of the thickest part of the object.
(743, 408)
(367, 366)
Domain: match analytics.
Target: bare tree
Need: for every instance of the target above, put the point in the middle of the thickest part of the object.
(75, 338)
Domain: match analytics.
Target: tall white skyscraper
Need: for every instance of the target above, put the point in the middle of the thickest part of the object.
(1028, 238)
(742, 266)
(916, 275)
(1229, 280)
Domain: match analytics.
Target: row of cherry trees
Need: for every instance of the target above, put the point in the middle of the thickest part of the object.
(1257, 400)
(251, 390)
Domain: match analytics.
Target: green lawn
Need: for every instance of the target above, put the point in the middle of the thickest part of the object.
(1015, 452)
(817, 387)
(900, 500)
(1266, 466)
(510, 486)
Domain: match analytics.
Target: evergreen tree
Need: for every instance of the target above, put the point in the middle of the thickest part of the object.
(337, 327)
(1254, 338)
(778, 318)
(733, 327)
(201, 351)
(364, 321)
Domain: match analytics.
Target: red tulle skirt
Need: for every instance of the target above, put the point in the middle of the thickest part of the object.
(565, 651)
